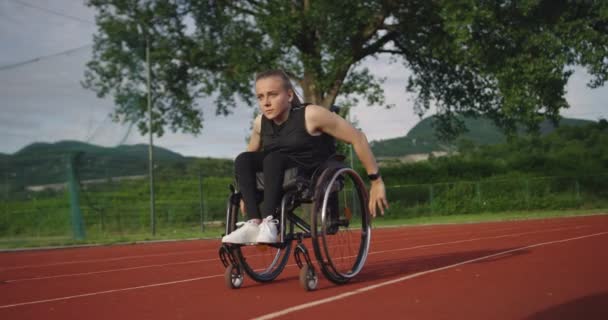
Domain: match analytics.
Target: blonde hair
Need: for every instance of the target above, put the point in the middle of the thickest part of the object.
(295, 101)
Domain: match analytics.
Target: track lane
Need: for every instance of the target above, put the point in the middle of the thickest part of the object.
(532, 283)
(54, 262)
(283, 292)
(87, 282)
(33, 259)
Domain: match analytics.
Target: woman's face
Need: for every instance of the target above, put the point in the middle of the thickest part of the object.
(272, 96)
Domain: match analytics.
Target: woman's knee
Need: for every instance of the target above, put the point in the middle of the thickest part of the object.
(244, 159)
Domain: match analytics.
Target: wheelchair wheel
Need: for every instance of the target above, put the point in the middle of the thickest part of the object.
(308, 278)
(262, 263)
(233, 277)
(341, 224)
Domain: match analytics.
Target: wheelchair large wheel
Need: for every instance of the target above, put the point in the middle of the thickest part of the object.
(341, 229)
(262, 263)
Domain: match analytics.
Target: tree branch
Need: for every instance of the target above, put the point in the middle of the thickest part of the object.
(390, 51)
(332, 93)
(370, 30)
(376, 46)
(403, 50)
(233, 5)
(389, 27)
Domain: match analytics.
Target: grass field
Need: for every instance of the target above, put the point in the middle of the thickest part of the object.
(215, 231)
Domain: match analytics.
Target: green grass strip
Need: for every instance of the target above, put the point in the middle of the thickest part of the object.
(214, 232)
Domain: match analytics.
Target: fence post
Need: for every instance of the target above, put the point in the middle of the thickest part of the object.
(527, 193)
(37, 216)
(102, 220)
(577, 190)
(202, 205)
(120, 222)
(6, 185)
(75, 213)
(431, 196)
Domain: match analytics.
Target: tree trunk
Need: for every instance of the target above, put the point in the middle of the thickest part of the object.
(312, 93)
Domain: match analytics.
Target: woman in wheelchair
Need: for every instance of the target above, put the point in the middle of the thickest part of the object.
(285, 135)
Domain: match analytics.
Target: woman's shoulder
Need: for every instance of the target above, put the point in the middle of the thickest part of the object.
(313, 111)
(257, 123)
(309, 107)
(316, 118)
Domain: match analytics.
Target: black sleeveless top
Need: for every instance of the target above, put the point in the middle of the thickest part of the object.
(292, 139)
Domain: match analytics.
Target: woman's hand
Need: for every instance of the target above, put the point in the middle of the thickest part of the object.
(321, 119)
(377, 197)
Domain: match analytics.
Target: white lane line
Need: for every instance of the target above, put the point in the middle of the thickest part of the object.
(252, 256)
(477, 239)
(202, 250)
(6, 306)
(415, 275)
(418, 237)
(109, 270)
(99, 260)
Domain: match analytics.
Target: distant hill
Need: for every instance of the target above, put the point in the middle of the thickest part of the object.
(421, 138)
(128, 152)
(45, 163)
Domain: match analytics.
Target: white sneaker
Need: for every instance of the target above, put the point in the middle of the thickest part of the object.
(268, 231)
(247, 233)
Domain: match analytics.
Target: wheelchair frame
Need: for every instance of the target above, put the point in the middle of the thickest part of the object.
(324, 185)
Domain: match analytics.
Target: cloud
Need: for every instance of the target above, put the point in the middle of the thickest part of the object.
(585, 103)
(44, 101)
(27, 32)
(378, 122)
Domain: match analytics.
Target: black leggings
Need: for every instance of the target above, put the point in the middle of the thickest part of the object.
(273, 165)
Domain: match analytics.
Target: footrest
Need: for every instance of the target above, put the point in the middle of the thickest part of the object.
(299, 252)
(309, 280)
(226, 256)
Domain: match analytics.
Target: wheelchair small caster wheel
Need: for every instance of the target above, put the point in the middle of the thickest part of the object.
(233, 277)
(308, 278)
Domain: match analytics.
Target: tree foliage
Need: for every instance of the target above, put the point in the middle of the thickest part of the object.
(118, 67)
(568, 151)
(509, 60)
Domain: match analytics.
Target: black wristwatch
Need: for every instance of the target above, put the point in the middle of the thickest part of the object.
(373, 176)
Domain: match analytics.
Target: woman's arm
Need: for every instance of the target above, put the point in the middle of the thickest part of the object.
(255, 144)
(255, 141)
(321, 119)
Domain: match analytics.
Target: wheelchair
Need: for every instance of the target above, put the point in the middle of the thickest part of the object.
(337, 222)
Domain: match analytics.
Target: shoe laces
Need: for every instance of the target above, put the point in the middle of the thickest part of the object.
(268, 221)
(242, 223)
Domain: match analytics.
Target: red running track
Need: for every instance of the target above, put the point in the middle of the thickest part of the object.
(534, 269)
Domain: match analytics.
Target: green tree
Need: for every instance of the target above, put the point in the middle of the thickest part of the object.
(118, 68)
(509, 60)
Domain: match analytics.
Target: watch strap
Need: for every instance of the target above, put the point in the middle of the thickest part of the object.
(374, 176)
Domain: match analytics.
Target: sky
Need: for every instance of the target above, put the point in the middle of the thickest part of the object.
(45, 44)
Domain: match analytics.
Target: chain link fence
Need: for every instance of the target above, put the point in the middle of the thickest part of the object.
(45, 199)
(499, 195)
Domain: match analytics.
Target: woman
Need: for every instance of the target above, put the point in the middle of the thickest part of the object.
(288, 134)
